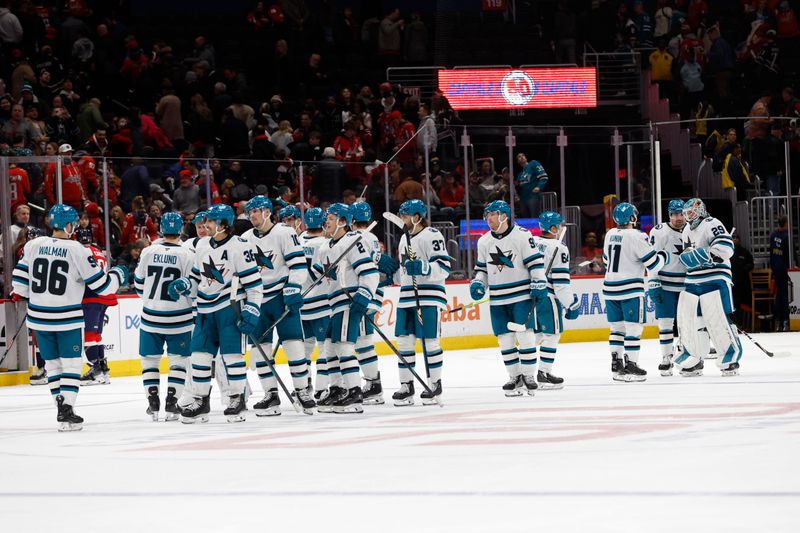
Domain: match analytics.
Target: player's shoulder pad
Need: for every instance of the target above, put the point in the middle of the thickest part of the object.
(657, 227)
(433, 230)
(522, 229)
(240, 239)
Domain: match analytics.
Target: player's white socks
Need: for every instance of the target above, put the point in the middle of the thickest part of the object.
(70, 378)
(262, 368)
(334, 370)
(508, 349)
(548, 351)
(633, 340)
(435, 358)
(616, 338)
(236, 372)
(298, 364)
(150, 376)
(201, 373)
(177, 373)
(665, 336)
(308, 347)
(365, 352)
(527, 352)
(348, 363)
(53, 368)
(405, 345)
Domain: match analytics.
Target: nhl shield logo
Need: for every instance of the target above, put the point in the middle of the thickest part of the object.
(518, 88)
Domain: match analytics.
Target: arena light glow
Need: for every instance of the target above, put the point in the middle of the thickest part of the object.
(530, 88)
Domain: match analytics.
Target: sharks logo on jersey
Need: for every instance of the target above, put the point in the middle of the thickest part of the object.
(501, 259)
(212, 273)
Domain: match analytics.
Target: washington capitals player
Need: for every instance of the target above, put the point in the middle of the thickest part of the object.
(511, 266)
(282, 264)
(708, 247)
(424, 259)
(670, 280)
(94, 314)
(56, 270)
(560, 299)
(165, 320)
(627, 254)
(216, 261)
(356, 276)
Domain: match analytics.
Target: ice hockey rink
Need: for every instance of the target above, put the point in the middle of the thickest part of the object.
(671, 454)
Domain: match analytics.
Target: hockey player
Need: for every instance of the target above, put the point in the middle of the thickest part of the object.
(316, 311)
(356, 276)
(290, 215)
(670, 280)
(283, 268)
(94, 314)
(707, 249)
(560, 299)
(365, 346)
(216, 261)
(199, 222)
(511, 266)
(425, 261)
(52, 275)
(627, 254)
(164, 320)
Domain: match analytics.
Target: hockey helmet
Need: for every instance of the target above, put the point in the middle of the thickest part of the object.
(315, 218)
(548, 219)
(341, 210)
(623, 214)
(171, 223)
(219, 212)
(498, 206)
(413, 207)
(288, 211)
(258, 202)
(60, 215)
(362, 212)
(675, 206)
(695, 211)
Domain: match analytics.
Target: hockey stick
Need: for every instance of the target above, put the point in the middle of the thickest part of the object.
(238, 313)
(467, 306)
(517, 328)
(10, 345)
(397, 221)
(769, 353)
(324, 275)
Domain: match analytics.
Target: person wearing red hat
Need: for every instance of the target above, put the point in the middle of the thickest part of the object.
(73, 190)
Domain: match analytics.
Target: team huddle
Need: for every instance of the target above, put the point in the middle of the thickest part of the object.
(206, 298)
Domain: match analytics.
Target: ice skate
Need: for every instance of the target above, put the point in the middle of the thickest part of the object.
(513, 387)
(666, 366)
(67, 419)
(96, 375)
(634, 372)
(373, 391)
(529, 383)
(153, 403)
(351, 402)
(712, 353)
(197, 411)
(39, 377)
(270, 405)
(325, 405)
(430, 399)
(404, 395)
(171, 409)
(696, 370)
(306, 400)
(548, 381)
(237, 409)
(730, 370)
(618, 368)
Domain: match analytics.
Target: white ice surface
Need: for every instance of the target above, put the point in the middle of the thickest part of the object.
(671, 454)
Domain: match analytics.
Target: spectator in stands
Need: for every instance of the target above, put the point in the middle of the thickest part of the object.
(773, 164)
(330, 178)
(130, 257)
(349, 149)
(10, 28)
(117, 220)
(233, 136)
(73, 185)
(565, 31)
(389, 38)
(662, 20)
(692, 77)
(592, 252)
(736, 174)
(282, 136)
(415, 41)
(720, 65)
(134, 182)
(22, 216)
(20, 186)
(661, 69)
(409, 189)
(90, 119)
(531, 179)
(97, 145)
(138, 224)
(19, 125)
(169, 115)
(779, 263)
(428, 136)
(741, 266)
(186, 198)
(644, 24)
(451, 196)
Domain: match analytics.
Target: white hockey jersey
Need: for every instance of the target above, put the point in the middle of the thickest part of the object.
(711, 235)
(315, 303)
(280, 258)
(627, 253)
(158, 265)
(427, 245)
(556, 254)
(215, 264)
(374, 248)
(354, 271)
(672, 275)
(191, 244)
(53, 274)
(507, 263)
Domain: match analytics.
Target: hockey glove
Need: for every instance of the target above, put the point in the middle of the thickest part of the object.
(249, 320)
(574, 309)
(361, 300)
(178, 287)
(477, 290)
(417, 267)
(696, 258)
(538, 290)
(654, 291)
(122, 272)
(386, 263)
(385, 283)
(292, 298)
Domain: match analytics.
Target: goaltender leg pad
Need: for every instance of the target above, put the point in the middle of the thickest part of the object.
(688, 326)
(719, 329)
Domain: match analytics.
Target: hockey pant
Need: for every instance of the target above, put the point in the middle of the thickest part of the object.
(61, 351)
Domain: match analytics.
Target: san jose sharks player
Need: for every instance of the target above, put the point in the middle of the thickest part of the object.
(316, 310)
(425, 259)
(199, 221)
(52, 275)
(669, 281)
(352, 297)
(165, 320)
(628, 254)
(708, 247)
(510, 265)
(291, 216)
(283, 268)
(560, 302)
(216, 329)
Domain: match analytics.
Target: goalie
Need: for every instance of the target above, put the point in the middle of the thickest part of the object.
(708, 299)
